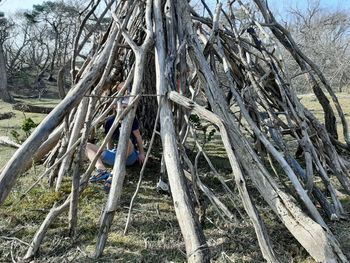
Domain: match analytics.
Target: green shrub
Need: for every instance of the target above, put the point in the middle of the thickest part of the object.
(27, 125)
(15, 135)
(26, 129)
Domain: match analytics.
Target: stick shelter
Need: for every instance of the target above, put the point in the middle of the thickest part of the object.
(226, 70)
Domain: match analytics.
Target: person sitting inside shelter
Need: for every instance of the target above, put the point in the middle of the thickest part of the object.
(135, 151)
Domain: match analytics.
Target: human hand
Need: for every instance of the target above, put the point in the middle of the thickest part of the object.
(141, 158)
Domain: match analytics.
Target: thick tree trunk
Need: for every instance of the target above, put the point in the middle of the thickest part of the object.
(4, 93)
(147, 109)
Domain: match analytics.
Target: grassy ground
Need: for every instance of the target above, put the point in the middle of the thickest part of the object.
(310, 101)
(154, 234)
(7, 125)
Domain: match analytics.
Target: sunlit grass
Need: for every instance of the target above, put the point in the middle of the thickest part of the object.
(310, 101)
(15, 122)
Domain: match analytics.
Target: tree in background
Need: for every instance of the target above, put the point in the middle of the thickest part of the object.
(15, 46)
(39, 42)
(59, 21)
(325, 36)
(4, 27)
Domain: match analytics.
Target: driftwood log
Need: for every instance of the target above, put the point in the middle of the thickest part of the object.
(31, 108)
(6, 141)
(7, 115)
(223, 61)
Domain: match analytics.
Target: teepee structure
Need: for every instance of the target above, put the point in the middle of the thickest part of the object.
(152, 45)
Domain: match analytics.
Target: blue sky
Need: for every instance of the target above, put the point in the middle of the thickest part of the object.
(282, 5)
(302, 3)
(10, 6)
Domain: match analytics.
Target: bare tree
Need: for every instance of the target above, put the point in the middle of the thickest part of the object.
(60, 21)
(324, 35)
(4, 27)
(15, 45)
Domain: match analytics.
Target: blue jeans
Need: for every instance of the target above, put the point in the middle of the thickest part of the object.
(108, 157)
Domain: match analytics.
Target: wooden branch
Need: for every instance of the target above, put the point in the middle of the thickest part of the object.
(56, 211)
(74, 136)
(142, 172)
(84, 117)
(6, 141)
(213, 199)
(188, 221)
(22, 157)
(120, 159)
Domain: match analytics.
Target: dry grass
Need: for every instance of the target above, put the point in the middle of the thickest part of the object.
(310, 101)
(154, 234)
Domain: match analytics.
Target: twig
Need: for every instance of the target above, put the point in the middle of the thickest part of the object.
(225, 256)
(12, 256)
(15, 239)
(142, 170)
(50, 169)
